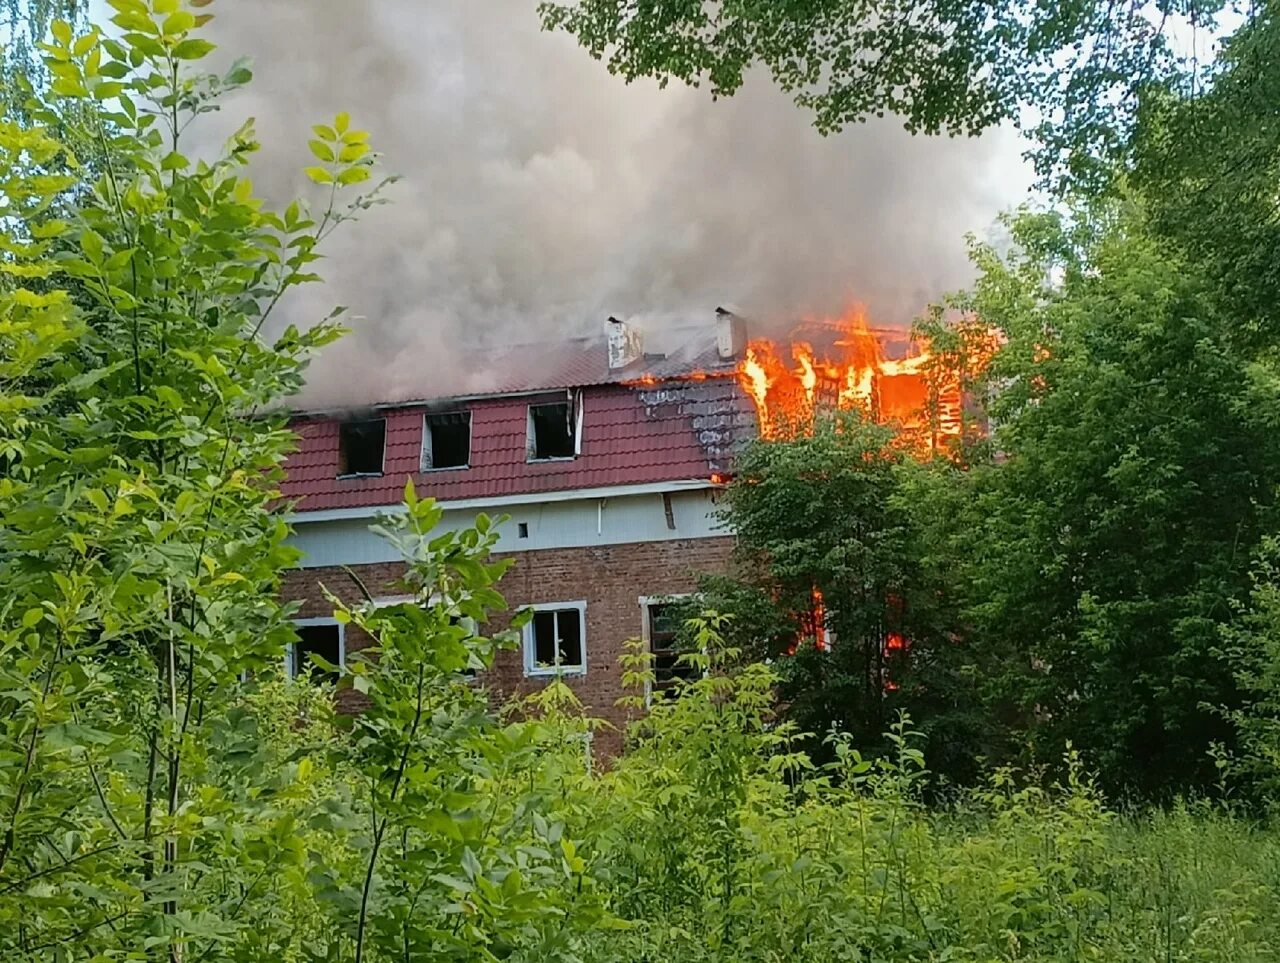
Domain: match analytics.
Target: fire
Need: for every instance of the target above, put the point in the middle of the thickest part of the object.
(819, 615)
(846, 365)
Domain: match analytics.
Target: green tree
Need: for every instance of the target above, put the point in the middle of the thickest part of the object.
(1207, 166)
(464, 858)
(1102, 552)
(139, 554)
(24, 25)
(826, 527)
(1071, 73)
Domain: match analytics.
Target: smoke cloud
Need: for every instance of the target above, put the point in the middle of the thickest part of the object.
(540, 195)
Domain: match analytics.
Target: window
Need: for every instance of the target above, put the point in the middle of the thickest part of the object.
(661, 626)
(360, 447)
(446, 441)
(324, 638)
(555, 639)
(555, 429)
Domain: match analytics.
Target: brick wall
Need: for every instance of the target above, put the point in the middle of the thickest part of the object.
(609, 578)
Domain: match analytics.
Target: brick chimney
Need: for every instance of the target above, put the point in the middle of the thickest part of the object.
(625, 343)
(731, 334)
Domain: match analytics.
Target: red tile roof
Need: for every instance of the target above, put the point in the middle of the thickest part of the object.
(673, 431)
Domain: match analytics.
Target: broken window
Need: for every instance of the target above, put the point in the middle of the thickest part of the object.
(555, 429)
(322, 639)
(446, 442)
(360, 447)
(553, 640)
(662, 625)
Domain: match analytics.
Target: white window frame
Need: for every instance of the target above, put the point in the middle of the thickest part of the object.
(427, 456)
(342, 644)
(575, 404)
(531, 667)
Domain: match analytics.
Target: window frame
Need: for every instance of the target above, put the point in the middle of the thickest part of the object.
(382, 467)
(529, 641)
(646, 634)
(573, 402)
(426, 461)
(289, 670)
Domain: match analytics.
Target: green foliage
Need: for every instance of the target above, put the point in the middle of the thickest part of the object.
(1207, 166)
(1100, 554)
(24, 24)
(1070, 73)
(1251, 644)
(460, 860)
(139, 554)
(836, 511)
(717, 839)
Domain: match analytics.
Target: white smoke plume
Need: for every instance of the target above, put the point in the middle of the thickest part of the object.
(540, 195)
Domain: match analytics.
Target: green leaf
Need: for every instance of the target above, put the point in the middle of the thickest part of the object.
(354, 175)
(319, 175)
(193, 48)
(178, 22)
(240, 73)
(92, 245)
(341, 122)
(61, 31)
(84, 44)
(352, 152)
(321, 150)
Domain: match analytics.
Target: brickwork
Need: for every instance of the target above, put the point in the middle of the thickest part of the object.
(610, 579)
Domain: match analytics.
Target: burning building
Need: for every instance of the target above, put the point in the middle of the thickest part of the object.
(605, 456)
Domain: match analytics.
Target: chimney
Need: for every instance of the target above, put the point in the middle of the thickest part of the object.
(731, 334)
(625, 344)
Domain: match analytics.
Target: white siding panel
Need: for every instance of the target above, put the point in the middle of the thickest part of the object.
(563, 524)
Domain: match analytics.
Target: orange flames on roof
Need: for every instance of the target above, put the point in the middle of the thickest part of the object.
(845, 365)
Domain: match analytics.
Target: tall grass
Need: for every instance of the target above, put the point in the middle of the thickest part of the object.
(713, 840)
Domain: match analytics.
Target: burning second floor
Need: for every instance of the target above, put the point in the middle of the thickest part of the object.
(628, 409)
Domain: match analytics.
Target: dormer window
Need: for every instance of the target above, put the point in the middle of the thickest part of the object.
(446, 440)
(361, 447)
(555, 430)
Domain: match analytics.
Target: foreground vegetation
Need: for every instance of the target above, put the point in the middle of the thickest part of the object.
(1108, 583)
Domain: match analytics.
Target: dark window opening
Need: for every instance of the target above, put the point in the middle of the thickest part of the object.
(557, 639)
(325, 641)
(664, 627)
(523, 529)
(551, 431)
(448, 441)
(360, 447)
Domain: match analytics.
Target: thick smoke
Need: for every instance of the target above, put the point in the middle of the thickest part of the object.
(540, 195)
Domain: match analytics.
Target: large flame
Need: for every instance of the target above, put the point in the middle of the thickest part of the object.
(844, 364)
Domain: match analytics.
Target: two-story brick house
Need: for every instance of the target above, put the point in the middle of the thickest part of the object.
(605, 458)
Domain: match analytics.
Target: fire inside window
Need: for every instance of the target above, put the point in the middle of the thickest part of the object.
(324, 639)
(663, 627)
(553, 641)
(360, 447)
(551, 431)
(447, 441)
